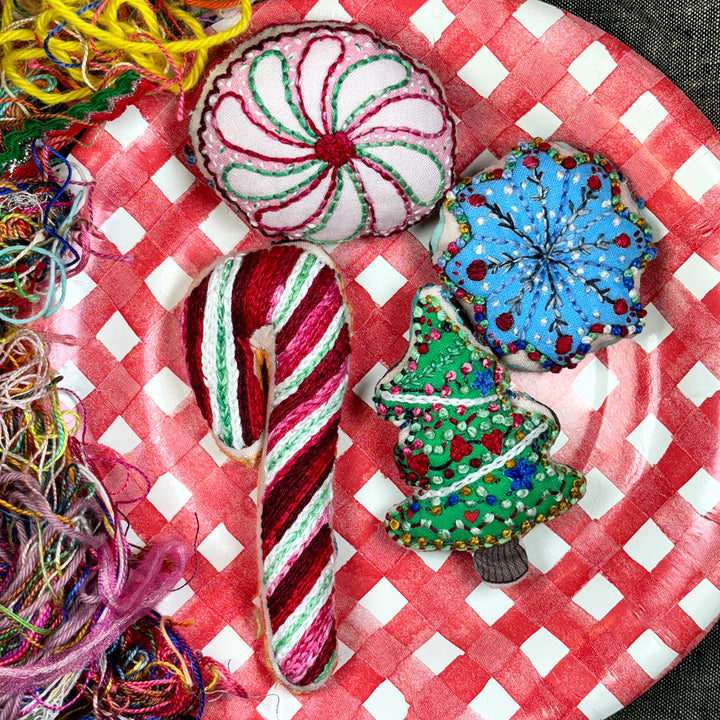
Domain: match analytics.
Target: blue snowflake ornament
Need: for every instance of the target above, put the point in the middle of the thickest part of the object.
(547, 252)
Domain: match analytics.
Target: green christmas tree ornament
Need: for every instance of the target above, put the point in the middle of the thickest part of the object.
(476, 452)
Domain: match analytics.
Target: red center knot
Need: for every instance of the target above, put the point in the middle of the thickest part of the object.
(335, 149)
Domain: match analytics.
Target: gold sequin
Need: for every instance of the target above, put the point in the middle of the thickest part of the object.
(394, 524)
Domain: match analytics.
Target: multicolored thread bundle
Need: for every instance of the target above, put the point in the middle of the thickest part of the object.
(68, 584)
(267, 346)
(75, 633)
(74, 625)
(67, 65)
(43, 237)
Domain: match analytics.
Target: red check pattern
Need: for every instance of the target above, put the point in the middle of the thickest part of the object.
(622, 586)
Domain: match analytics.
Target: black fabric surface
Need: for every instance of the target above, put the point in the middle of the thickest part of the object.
(679, 37)
(682, 39)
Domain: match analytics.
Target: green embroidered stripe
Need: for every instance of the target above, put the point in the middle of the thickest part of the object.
(221, 366)
(232, 386)
(288, 97)
(301, 433)
(285, 173)
(311, 361)
(294, 295)
(389, 88)
(312, 235)
(209, 348)
(333, 205)
(362, 152)
(292, 540)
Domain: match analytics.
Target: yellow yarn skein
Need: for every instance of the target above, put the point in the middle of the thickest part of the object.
(88, 46)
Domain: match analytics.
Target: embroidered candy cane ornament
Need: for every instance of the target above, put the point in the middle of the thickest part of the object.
(267, 345)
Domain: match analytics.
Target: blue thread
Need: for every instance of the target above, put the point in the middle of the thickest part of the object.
(74, 591)
(57, 29)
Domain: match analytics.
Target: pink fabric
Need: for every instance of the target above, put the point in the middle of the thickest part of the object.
(325, 133)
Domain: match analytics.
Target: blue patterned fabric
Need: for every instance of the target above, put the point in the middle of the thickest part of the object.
(548, 254)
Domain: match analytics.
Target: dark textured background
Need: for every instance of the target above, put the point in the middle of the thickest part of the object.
(682, 39)
(679, 37)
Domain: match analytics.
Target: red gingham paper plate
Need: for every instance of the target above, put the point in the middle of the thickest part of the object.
(623, 585)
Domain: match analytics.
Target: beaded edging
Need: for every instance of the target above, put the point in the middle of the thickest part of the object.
(467, 195)
(482, 471)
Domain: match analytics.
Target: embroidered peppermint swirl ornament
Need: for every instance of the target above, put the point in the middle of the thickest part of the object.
(326, 133)
(547, 250)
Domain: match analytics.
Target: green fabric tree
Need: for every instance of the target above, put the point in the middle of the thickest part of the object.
(476, 452)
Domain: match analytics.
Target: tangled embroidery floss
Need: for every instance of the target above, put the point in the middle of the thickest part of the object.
(151, 672)
(44, 237)
(267, 345)
(67, 51)
(68, 585)
(22, 123)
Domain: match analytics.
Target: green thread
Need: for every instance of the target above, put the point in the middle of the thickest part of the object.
(308, 264)
(220, 360)
(309, 611)
(323, 500)
(288, 97)
(24, 623)
(388, 89)
(282, 391)
(267, 173)
(334, 202)
(362, 152)
(299, 433)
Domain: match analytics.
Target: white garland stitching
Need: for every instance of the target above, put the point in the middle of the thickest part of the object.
(494, 465)
(435, 400)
